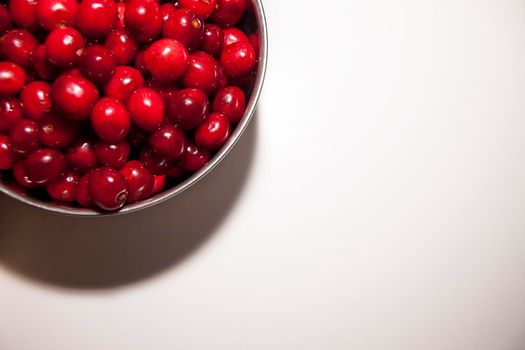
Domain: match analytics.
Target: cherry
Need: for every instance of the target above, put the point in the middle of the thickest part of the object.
(123, 46)
(44, 69)
(159, 184)
(185, 27)
(238, 59)
(20, 176)
(139, 179)
(57, 133)
(188, 108)
(143, 19)
(255, 40)
(176, 171)
(202, 8)
(231, 102)
(194, 158)
(167, 10)
(233, 35)
(12, 78)
(121, 11)
(157, 164)
(64, 189)
(97, 63)
(35, 99)
(23, 13)
(168, 141)
(223, 79)
(74, 96)
(112, 154)
(124, 81)
(96, 18)
(17, 46)
(108, 188)
(136, 137)
(56, 13)
(139, 63)
(110, 120)
(5, 19)
(83, 196)
(10, 113)
(7, 156)
(81, 156)
(214, 132)
(228, 12)
(44, 165)
(213, 39)
(146, 109)
(24, 136)
(63, 46)
(202, 73)
(166, 60)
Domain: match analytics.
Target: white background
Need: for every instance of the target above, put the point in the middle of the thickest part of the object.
(376, 202)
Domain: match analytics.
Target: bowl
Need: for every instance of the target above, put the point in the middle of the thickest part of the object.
(64, 209)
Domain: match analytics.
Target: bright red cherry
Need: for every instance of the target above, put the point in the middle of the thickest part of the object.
(188, 108)
(10, 113)
(44, 165)
(166, 60)
(238, 59)
(96, 18)
(194, 158)
(63, 46)
(143, 19)
(83, 196)
(23, 13)
(110, 120)
(202, 73)
(56, 13)
(108, 188)
(228, 12)
(24, 136)
(185, 27)
(12, 78)
(168, 141)
(213, 39)
(64, 189)
(43, 68)
(159, 184)
(214, 132)
(146, 109)
(74, 96)
(157, 164)
(97, 63)
(139, 179)
(112, 154)
(5, 20)
(7, 156)
(56, 132)
(231, 102)
(124, 81)
(123, 46)
(81, 156)
(17, 46)
(20, 175)
(167, 10)
(202, 8)
(35, 99)
(121, 12)
(233, 35)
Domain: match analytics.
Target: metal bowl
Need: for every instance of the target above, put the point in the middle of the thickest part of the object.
(194, 178)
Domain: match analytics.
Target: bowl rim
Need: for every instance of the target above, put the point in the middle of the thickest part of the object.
(194, 178)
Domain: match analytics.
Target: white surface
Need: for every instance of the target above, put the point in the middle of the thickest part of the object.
(376, 203)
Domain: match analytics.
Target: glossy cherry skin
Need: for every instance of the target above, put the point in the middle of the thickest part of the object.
(17, 46)
(159, 184)
(112, 154)
(23, 13)
(167, 10)
(20, 175)
(74, 96)
(168, 141)
(146, 109)
(108, 188)
(83, 196)
(194, 158)
(223, 79)
(124, 81)
(188, 108)
(44, 165)
(56, 132)
(97, 63)
(232, 36)
(12, 78)
(121, 13)
(24, 136)
(63, 46)
(43, 68)
(6, 22)
(231, 102)
(96, 18)
(166, 60)
(10, 113)
(123, 46)
(213, 39)
(56, 13)
(157, 164)
(185, 27)
(81, 156)
(7, 156)
(143, 19)
(64, 189)
(202, 8)
(202, 73)
(110, 120)
(228, 12)
(140, 180)
(35, 99)
(238, 59)
(214, 132)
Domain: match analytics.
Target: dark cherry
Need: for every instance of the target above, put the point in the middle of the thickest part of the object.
(63, 46)
(110, 120)
(139, 63)
(213, 39)
(255, 40)
(176, 171)
(123, 46)
(43, 68)
(244, 82)
(121, 12)
(64, 189)
(228, 12)
(112, 154)
(56, 13)
(188, 108)
(56, 132)
(238, 59)
(10, 113)
(35, 99)
(202, 73)
(159, 184)
(233, 35)
(143, 19)
(23, 13)
(20, 176)
(5, 20)
(223, 79)
(231, 102)
(17, 46)
(7, 156)
(166, 60)
(139, 179)
(97, 63)
(250, 7)
(81, 156)
(157, 164)
(24, 136)
(136, 137)
(185, 27)
(12, 78)
(74, 96)
(202, 8)
(146, 109)
(167, 10)
(83, 196)
(194, 158)
(214, 132)
(96, 18)
(44, 165)
(124, 81)
(168, 141)
(108, 188)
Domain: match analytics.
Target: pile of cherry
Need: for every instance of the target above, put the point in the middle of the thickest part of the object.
(104, 103)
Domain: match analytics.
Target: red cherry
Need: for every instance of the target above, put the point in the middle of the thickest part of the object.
(96, 18)
(121, 11)
(202, 8)
(167, 10)
(143, 19)
(112, 154)
(81, 156)
(238, 59)
(108, 188)
(255, 40)
(123, 46)
(74, 96)
(5, 19)
(228, 12)
(214, 132)
(194, 158)
(223, 79)
(185, 27)
(231, 102)
(124, 81)
(7, 156)
(213, 39)
(20, 176)
(233, 35)
(139, 63)
(168, 141)
(10, 113)
(159, 184)
(166, 60)
(57, 133)
(64, 189)
(146, 109)
(165, 90)
(136, 137)
(97, 63)
(12, 79)
(110, 120)
(188, 108)
(157, 164)
(83, 196)
(23, 13)
(44, 69)
(44, 165)
(24, 136)
(176, 171)
(63, 46)
(17, 46)
(202, 73)
(139, 179)
(35, 99)
(56, 13)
